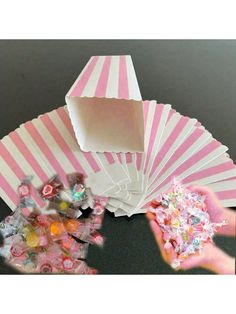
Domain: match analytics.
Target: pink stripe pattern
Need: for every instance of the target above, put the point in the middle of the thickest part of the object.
(62, 143)
(19, 173)
(189, 163)
(42, 145)
(155, 124)
(15, 137)
(7, 188)
(226, 166)
(78, 89)
(103, 79)
(226, 195)
(181, 150)
(123, 90)
(109, 158)
(128, 157)
(169, 142)
(119, 157)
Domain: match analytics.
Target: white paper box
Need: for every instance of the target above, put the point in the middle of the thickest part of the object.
(105, 106)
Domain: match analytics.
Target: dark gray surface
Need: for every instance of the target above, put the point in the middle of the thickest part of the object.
(197, 77)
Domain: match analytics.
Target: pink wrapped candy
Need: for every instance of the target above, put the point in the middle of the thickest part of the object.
(185, 223)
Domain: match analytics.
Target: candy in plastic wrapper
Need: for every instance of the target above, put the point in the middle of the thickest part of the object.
(75, 178)
(185, 223)
(95, 222)
(21, 257)
(85, 233)
(79, 250)
(7, 229)
(12, 223)
(77, 188)
(51, 189)
(81, 232)
(64, 208)
(23, 263)
(97, 215)
(99, 205)
(27, 206)
(67, 196)
(96, 238)
(57, 229)
(13, 247)
(36, 236)
(24, 189)
(49, 261)
(52, 240)
(76, 250)
(83, 269)
(55, 260)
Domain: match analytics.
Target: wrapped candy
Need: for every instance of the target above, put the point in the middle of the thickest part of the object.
(77, 188)
(57, 242)
(185, 223)
(51, 189)
(11, 224)
(64, 208)
(96, 238)
(97, 214)
(84, 230)
(76, 250)
(56, 260)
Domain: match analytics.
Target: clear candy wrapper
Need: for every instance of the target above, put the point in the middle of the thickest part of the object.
(64, 208)
(35, 242)
(96, 238)
(10, 226)
(51, 189)
(75, 249)
(96, 218)
(185, 223)
(77, 188)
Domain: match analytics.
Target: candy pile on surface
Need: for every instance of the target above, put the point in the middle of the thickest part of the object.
(185, 223)
(55, 241)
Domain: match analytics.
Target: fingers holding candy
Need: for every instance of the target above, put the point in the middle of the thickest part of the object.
(182, 225)
(213, 205)
(167, 252)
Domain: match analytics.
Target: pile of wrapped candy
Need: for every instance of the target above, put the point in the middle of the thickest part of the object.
(184, 221)
(55, 240)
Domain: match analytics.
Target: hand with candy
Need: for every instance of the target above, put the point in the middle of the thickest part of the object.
(216, 211)
(184, 221)
(211, 257)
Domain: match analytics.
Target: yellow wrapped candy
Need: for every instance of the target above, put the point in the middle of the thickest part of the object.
(63, 205)
(27, 229)
(175, 223)
(185, 237)
(32, 239)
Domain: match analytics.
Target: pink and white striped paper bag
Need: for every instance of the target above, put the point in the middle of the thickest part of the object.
(177, 146)
(42, 148)
(105, 114)
(105, 106)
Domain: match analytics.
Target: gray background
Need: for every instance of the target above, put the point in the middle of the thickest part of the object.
(197, 77)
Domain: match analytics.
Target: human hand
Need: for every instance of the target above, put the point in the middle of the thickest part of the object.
(211, 257)
(213, 205)
(216, 211)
